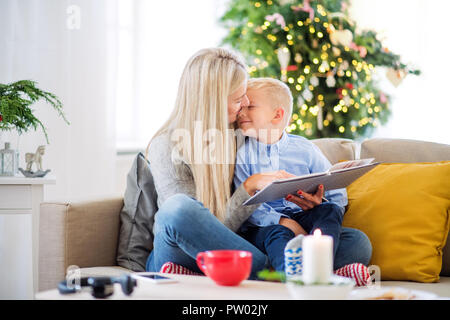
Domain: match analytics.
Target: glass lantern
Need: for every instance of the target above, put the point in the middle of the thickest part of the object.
(9, 161)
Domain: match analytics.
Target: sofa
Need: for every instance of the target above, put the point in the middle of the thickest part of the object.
(85, 232)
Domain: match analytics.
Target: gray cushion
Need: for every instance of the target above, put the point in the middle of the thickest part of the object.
(137, 217)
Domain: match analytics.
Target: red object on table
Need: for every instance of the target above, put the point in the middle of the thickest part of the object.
(225, 267)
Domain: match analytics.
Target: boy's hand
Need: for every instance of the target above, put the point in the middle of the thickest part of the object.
(306, 200)
(258, 181)
(293, 225)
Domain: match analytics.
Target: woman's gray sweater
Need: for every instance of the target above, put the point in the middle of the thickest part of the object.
(171, 177)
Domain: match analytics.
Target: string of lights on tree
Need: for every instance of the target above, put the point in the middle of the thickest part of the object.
(313, 46)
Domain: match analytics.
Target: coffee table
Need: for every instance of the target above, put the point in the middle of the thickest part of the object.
(186, 288)
(193, 288)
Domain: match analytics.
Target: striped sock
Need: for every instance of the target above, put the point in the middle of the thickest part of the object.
(356, 271)
(170, 267)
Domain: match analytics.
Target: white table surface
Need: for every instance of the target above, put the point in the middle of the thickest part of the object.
(197, 288)
(187, 288)
(20, 179)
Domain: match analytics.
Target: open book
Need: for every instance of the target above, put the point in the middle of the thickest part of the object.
(340, 175)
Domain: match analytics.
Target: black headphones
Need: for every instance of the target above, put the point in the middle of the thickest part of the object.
(102, 287)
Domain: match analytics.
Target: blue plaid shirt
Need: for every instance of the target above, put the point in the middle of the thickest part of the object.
(294, 154)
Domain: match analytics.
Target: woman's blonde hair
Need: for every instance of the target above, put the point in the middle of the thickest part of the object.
(209, 77)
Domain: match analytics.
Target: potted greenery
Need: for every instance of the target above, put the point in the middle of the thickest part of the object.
(15, 101)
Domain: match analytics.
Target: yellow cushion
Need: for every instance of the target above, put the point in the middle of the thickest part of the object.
(404, 210)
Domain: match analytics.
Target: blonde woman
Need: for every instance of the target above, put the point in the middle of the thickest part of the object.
(192, 161)
(196, 209)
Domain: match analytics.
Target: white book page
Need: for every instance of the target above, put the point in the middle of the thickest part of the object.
(351, 164)
(309, 175)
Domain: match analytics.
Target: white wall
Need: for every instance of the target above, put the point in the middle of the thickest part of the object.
(418, 31)
(74, 64)
(83, 68)
(156, 40)
(77, 65)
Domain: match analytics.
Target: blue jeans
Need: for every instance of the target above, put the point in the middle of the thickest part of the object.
(272, 239)
(184, 227)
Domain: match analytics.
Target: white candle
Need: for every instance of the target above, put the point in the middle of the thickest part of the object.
(317, 258)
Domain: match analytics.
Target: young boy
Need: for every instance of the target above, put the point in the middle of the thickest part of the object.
(267, 147)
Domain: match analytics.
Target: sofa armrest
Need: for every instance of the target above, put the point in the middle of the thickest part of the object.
(82, 233)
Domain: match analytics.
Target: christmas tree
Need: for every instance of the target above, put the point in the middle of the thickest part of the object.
(314, 47)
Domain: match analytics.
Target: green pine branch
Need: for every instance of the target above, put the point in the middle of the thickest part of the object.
(15, 101)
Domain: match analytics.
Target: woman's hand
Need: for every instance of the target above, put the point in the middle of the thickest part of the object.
(306, 200)
(293, 225)
(259, 180)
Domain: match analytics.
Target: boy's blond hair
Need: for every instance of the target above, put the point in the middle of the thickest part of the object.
(278, 92)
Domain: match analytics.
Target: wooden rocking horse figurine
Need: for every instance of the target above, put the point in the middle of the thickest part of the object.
(36, 158)
(31, 158)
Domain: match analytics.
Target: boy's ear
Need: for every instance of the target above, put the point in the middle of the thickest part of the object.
(279, 114)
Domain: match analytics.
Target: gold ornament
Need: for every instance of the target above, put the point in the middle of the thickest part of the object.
(284, 56)
(336, 51)
(341, 37)
(395, 76)
(320, 118)
(258, 30)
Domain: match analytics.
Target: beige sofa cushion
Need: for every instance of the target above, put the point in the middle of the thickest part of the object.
(336, 149)
(403, 150)
(408, 151)
(82, 233)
